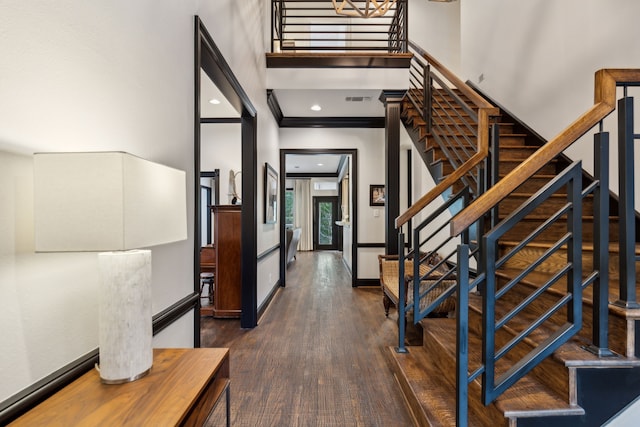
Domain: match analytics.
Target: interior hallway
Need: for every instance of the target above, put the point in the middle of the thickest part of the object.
(315, 359)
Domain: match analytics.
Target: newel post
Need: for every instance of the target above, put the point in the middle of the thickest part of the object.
(392, 101)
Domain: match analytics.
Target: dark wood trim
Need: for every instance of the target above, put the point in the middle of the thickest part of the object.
(197, 59)
(318, 122)
(175, 311)
(371, 245)
(31, 396)
(409, 236)
(368, 282)
(268, 252)
(220, 120)
(392, 101)
(282, 228)
(211, 61)
(295, 175)
(354, 214)
(332, 122)
(339, 60)
(274, 106)
(249, 314)
(227, 81)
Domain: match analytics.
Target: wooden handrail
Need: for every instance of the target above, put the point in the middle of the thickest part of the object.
(485, 110)
(606, 81)
(473, 96)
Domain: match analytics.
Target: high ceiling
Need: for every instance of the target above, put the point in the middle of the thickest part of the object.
(338, 92)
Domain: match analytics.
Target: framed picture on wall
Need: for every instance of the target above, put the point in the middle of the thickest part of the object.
(270, 194)
(376, 195)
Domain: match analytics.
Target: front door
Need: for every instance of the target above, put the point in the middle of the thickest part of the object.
(326, 234)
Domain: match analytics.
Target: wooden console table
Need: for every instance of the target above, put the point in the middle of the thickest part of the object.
(183, 387)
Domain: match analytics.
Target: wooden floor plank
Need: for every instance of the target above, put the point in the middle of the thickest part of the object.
(316, 357)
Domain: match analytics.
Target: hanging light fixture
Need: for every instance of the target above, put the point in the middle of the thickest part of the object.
(363, 8)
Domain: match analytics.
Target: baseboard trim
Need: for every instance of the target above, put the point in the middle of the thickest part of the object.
(367, 282)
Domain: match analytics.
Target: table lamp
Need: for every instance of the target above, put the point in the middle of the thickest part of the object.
(114, 203)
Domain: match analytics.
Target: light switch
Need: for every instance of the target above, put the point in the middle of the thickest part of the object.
(376, 213)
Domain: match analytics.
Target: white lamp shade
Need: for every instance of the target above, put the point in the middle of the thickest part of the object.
(106, 201)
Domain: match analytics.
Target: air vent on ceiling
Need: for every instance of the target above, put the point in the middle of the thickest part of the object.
(357, 98)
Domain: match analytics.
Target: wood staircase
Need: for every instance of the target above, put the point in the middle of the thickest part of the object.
(571, 387)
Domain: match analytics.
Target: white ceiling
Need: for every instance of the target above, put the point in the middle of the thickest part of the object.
(316, 163)
(209, 91)
(306, 87)
(334, 102)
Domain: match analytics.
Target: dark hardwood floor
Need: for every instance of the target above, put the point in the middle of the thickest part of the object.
(316, 357)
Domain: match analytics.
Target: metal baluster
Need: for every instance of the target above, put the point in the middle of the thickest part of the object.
(574, 250)
(462, 337)
(402, 300)
(627, 213)
(426, 96)
(281, 24)
(600, 333)
(495, 167)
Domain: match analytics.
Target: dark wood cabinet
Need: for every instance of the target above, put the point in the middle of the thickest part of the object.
(228, 272)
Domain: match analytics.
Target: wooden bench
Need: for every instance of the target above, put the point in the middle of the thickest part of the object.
(389, 269)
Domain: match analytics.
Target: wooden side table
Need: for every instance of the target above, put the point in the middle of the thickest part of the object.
(182, 389)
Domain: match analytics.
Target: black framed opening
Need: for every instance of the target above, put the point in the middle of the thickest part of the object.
(209, 59)
(353, 153)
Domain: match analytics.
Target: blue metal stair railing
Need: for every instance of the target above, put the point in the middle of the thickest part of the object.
(570, 304)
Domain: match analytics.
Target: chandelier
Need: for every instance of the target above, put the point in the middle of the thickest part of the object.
(370, 8)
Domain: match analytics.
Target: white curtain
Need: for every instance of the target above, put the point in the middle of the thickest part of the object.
(303, 213)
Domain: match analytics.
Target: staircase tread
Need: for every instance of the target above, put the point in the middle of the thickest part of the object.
(517, 400)
(435, 397)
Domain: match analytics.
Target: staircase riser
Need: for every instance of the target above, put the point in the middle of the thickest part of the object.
(519, 154)
(551, 373)
(531, 185)
(617, 325)
(504, 128)
(524, 257)
(555, 231)
(548, 207)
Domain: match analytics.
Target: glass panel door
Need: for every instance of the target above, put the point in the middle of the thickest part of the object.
(326, 234)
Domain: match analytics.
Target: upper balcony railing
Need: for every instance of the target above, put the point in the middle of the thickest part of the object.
(313, 26)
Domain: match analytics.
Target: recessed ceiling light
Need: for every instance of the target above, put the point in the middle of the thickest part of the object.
(296, 167)
(316, 107)
(320, 164)
(214, 101)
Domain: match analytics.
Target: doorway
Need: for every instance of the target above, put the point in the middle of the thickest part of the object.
(210, 67)
(326, 233)
(345, 191)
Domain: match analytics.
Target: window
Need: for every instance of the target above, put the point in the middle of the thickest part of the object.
(289, 201)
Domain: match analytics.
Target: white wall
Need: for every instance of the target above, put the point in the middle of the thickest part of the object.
(538, 58)
(435, 27)
(85, 76)
(370, 146)
(221, 148)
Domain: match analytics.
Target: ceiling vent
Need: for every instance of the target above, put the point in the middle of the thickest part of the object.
(357, 98)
